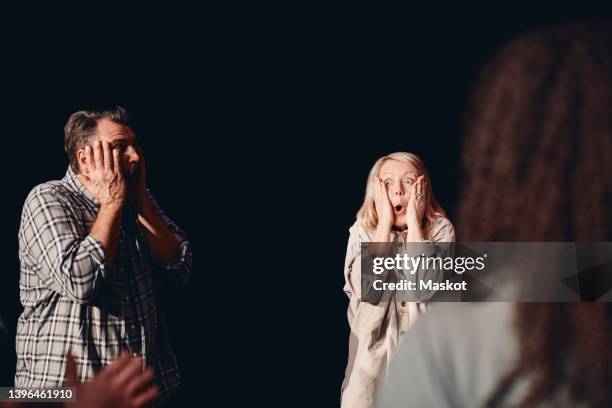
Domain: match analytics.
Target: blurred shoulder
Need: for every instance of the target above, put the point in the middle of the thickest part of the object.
(455, 317)
(463, 348)
(466, 335)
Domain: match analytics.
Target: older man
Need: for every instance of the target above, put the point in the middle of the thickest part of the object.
(95, 250)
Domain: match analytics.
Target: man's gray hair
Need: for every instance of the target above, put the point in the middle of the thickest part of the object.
(81, 126)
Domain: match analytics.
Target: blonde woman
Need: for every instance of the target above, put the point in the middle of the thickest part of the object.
(399, 206)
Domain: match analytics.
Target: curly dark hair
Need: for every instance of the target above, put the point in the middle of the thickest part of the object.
(537, 163)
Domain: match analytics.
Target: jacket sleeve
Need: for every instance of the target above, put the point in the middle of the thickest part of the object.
(352, 275)
(54, 244)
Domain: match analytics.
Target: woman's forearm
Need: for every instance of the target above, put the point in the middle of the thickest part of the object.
(382, 234)
(415, 233)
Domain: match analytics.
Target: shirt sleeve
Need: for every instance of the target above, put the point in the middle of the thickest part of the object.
(181, 269)
(55, 245)
(352, 274)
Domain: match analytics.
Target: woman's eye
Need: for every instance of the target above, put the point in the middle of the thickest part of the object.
(408, 181)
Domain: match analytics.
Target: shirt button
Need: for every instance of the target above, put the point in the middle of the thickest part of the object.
(403, 304)
(134, 355)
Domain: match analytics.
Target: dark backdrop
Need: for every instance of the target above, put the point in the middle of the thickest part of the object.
(259, 125)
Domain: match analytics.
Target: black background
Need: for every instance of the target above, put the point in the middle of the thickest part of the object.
(259, 125)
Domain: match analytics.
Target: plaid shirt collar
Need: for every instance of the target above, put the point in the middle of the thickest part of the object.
(73, 181)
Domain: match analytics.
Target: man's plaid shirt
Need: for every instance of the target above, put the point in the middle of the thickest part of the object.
(74, 301)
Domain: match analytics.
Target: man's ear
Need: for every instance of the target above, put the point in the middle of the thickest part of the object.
(82, 161)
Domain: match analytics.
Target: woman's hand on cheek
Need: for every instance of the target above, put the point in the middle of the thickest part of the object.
(384, 210)
(417, 203)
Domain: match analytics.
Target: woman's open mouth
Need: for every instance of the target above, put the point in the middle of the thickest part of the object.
(398, 208)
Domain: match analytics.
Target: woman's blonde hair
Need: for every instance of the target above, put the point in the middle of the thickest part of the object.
(367, 215)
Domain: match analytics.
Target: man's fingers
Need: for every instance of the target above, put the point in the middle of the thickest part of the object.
(108, 156)
(98, 154)
(117, 366)
(90, 158)
(116, 161)
(146, 397)
(137, 383)
(130, 370)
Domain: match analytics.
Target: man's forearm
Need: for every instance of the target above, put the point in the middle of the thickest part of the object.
(162, 242)
(106, 229)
